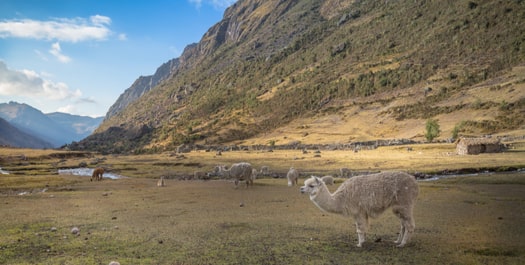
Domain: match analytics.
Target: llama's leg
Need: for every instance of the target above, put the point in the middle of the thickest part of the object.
(361, 225)
(401, 233)
(407, 224)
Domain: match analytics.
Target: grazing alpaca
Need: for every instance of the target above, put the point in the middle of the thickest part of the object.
(161, 182)
(265, 171)
(292, 176)
(240, 171)
(368, 196)
(97, 174)
(328, 180)
(345, 172)
(200, 175)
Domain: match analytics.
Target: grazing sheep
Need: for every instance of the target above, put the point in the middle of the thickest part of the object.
(292, 176)
(328, 180)
(368, 196)
(345, 172)
(97, 174)
(161, 182)
(239, 171)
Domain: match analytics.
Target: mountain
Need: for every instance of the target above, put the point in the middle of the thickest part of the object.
(11, 136)
(333, 71)
(142, 85)
(82, 126)
(54, 128)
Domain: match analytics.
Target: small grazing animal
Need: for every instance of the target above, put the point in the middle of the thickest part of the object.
(161, 182)
(97, 174)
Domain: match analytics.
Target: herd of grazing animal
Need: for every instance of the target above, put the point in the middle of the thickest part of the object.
(359, 197)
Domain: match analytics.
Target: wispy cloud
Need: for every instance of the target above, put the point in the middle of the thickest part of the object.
(67, 109)
(61, 29)
(215, 3)
(57, 52)
(32, 85)
(122, 36)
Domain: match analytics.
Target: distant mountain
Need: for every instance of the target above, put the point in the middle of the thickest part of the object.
(83, 126)
(11, 136)
(55, 128)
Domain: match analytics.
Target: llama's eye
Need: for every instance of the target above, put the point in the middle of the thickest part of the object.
(311, 186)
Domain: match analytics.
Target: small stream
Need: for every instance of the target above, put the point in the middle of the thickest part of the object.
(462, 175)
(84, 171)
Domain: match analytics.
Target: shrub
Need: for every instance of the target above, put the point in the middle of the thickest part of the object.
(432, 129)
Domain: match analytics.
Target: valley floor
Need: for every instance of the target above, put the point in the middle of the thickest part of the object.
(471, 220)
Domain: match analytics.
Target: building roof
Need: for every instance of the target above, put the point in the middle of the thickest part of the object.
(476, 141)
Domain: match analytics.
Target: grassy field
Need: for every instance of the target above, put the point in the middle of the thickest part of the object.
(463, 220)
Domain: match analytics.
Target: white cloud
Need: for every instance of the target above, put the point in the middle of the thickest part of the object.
(67, 109)
(41, 55)
(70, 30)
(215, 3)
(57, 52)
(223, 3)
(30, 84)
(100, 20)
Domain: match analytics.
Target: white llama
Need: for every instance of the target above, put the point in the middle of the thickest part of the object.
(328, 180)
(160, 182)
(239, 171)
(292, 176)
(367, 196)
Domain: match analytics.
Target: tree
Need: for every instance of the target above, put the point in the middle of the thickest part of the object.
(432, 129)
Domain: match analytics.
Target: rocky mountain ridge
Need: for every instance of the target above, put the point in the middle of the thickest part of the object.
(278, 71)
(142, 85)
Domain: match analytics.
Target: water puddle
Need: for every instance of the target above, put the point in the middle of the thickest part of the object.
(84, 171)
(436, 177)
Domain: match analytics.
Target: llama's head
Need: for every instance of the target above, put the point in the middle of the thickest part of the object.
(312, 186)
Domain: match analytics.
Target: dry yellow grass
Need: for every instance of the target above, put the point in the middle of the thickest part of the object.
(467, 220)
(209, 222)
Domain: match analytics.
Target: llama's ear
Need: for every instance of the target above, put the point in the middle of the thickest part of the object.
(317, 179)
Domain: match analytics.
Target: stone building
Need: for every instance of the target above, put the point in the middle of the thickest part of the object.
(474, 146)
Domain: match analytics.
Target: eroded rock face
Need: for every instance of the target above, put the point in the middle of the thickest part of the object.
(142, 85)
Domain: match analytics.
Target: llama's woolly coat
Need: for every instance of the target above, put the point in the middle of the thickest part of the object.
(373, 194)
(239, 171)
(292, 176)
(242, 171)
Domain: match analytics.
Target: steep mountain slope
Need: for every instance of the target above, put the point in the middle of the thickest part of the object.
(142, 85)
(335, 71)
(11, 136)
(55, 128)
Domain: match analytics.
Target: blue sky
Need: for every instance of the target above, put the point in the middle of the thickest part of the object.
(78, 56)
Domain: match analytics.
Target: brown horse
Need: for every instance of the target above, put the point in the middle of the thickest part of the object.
(97, 173)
